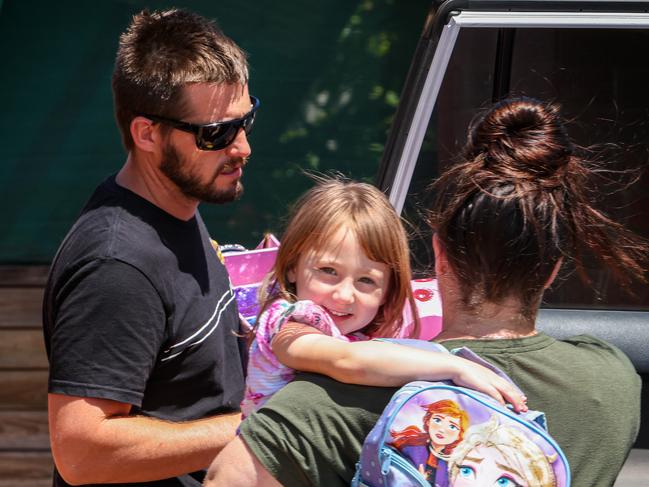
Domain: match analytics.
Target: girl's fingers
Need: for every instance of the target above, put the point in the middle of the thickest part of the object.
(497, 396)
(512, 395)
(490, 383)
(515, 398)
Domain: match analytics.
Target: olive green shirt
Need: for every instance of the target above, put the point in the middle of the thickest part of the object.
(311, 431)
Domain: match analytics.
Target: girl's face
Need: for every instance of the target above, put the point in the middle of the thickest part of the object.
(487, 467)
(340, 278)
(443, 429)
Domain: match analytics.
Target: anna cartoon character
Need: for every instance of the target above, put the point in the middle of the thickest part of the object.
(429, 448)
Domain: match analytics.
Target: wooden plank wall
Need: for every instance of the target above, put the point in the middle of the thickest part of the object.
(25, 458)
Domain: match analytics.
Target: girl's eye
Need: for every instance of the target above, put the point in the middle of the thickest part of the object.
(467, 472)
(453, 427)
(437, 420)
(505, 481)
(367, 280)
(328, 270)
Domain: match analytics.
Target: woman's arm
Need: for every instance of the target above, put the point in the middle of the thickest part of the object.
(376, 363)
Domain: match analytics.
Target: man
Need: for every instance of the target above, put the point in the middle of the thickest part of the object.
(140, 321)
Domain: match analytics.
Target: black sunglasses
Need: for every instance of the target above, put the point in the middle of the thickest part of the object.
(216, 135)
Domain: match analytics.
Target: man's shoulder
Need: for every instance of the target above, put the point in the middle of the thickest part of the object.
(108, 234)
(116, 225)
(327, 397)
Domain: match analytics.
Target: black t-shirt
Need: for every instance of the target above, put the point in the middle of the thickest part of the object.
(139, 309)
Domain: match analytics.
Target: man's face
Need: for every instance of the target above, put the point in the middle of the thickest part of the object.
(208, 176)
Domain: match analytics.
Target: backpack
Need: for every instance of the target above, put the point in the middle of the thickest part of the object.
(437, 434)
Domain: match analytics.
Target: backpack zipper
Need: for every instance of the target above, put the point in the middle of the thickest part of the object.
(389, 457)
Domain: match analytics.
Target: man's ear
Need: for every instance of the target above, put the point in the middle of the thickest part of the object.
(145, 134)
(554, 273)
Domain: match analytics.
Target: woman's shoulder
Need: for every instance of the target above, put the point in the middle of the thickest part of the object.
(589, 344)
(595, 352)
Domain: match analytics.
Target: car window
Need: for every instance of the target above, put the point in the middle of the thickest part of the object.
(595, 76)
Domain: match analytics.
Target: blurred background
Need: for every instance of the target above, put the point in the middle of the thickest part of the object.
(328, 75)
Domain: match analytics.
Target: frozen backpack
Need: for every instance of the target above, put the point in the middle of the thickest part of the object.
(439, 434)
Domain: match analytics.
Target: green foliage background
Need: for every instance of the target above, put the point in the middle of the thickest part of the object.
(329, 74)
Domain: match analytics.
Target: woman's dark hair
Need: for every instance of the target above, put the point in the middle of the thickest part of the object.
(517, 202)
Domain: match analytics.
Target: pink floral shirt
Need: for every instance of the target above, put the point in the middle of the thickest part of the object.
(266, 374)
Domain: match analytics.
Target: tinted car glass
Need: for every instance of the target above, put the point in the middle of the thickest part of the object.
(595, 76)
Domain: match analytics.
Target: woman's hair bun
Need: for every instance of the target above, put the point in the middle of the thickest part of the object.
(520, 136)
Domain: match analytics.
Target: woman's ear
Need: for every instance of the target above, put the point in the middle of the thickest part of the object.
(554, 273)
(441, 262)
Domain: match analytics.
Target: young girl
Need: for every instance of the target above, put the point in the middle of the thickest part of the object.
(342, 276)
(430, 446)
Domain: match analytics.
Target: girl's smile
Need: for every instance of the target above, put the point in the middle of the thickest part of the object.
(340, 278)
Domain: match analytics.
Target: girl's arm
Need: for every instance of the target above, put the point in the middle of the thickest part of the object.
(376, 363)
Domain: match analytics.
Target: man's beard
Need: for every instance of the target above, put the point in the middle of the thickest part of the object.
(173, 167)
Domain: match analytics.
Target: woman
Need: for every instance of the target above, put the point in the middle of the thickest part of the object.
(506, 217)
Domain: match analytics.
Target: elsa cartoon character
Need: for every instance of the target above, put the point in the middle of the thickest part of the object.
(498, 455)
(429, 448)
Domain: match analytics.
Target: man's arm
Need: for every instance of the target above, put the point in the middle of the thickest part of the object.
(96, 441)
(236, 466)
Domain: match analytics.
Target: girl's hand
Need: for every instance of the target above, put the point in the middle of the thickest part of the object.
(475, 376)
